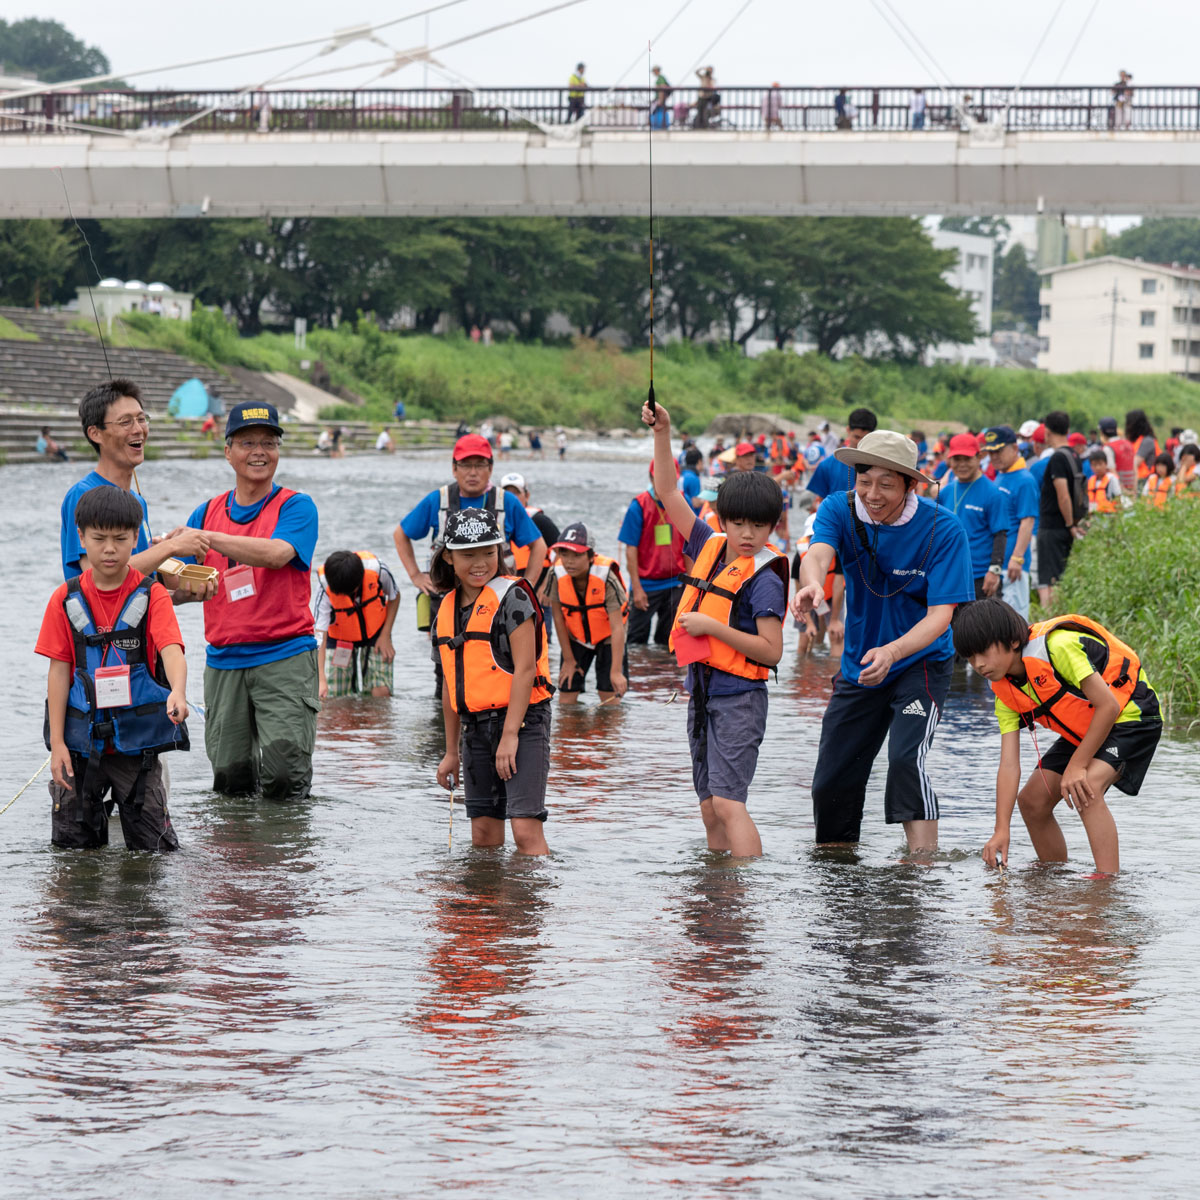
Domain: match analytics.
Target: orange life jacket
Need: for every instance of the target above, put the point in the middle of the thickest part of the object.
(1183, 483)
(1143, 471)
(1061, 706)
(714, 589)
(1097, 498)
(1158, 489)
(779, 450)
(477, 681)
(708, 514)
(357, 622)
(520, 554)
(587, 621)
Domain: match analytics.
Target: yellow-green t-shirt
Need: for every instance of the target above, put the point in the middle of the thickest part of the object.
(1069, 657)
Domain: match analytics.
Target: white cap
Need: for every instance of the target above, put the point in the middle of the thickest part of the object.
(514, 479)
(1187, 436)
(1027, 429)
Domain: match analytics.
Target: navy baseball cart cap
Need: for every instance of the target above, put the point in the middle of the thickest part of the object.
(241, 416)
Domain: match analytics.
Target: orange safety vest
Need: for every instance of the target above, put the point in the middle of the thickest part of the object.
(779, 450)
(1183, 482)
(358, 622)
(1143, 471)
(1158, 489)
(713, 590)
(477, 681)
(1061, 706)
(588, 622)
(708, 514)
(520, 554)
(1097, 498)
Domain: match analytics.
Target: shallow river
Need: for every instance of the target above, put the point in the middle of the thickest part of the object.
(325, 1001)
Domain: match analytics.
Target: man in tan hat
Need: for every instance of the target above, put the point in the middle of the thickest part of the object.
(907, 565)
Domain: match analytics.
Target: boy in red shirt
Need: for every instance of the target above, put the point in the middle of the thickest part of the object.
(115, 691)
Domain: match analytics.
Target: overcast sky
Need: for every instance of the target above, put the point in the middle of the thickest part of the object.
(794, 41)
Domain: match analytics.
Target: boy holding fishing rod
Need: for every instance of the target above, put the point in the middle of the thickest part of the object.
(1084, 684)
(728, 631)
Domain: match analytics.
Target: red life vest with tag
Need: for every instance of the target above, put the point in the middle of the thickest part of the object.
(658, 560)
(279, 609)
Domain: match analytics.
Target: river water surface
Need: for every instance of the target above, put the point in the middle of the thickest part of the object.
(323, 1000)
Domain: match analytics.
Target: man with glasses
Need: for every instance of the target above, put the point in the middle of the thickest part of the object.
(260, 677)
(116, 425)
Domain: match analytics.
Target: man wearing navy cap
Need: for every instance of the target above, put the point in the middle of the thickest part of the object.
(1021, 495)
(260, 680)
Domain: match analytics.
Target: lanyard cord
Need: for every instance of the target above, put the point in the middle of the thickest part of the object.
(871, 551)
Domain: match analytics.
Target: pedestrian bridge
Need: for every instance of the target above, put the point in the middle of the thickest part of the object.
(370, 154)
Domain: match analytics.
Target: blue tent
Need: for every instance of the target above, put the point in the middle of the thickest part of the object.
(189, 399)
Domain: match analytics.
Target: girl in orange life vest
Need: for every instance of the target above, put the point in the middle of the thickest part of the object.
(355, 611)
(733, 605)
(490, 640)
(1103, 487)
(1074, 677)
(1160, 485)
(590, 606)
(1187, 480)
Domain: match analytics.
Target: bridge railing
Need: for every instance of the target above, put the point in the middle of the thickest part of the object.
(807, 109)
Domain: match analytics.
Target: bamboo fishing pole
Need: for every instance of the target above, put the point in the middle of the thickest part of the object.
(650, 144)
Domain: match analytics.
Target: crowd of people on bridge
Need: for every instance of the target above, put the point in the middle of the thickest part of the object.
(911, 552)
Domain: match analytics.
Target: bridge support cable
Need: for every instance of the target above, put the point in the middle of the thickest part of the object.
(336, 41)
(1075, 44)
(924, 58)
(717, 40)
(1001, 120)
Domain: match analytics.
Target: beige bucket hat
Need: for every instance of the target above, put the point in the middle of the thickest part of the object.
(883, 448)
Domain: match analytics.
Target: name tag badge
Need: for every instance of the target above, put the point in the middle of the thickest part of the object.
(342, 655)
(662, 535)
(112, 687)
(239, 582)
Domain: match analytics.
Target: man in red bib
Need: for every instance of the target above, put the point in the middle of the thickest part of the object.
(260, 679)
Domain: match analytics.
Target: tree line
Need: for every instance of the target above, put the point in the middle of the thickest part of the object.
(870, 285)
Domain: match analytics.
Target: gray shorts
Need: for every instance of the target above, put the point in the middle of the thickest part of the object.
(524, 795)
(725, 749)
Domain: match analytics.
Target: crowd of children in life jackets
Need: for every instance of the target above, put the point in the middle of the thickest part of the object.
(488, 622)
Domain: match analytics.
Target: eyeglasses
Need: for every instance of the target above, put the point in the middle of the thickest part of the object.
(266, 443)
(125, 424)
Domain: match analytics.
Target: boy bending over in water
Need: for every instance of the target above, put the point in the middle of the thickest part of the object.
(733, 603)
(1074, 677)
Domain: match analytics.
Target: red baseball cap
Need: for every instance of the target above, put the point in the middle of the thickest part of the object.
(1039, 434)
(963, 443)
(472, 445)
(1076, 439)
(677, 471)
(744, 448)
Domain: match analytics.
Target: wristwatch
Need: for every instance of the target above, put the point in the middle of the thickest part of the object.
(995, 569)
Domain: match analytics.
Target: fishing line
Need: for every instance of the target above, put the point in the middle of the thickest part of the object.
(650, 145)
(22, 791)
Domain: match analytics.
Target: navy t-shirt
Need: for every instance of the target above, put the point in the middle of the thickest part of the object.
(763, 596)
(924, 562)
(982, 511)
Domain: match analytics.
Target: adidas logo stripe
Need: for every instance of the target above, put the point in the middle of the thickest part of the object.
(914, 709)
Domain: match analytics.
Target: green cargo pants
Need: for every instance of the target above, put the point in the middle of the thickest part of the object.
(261, 725)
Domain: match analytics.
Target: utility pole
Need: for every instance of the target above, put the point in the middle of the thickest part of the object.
(1187, 330)
(1112, 332)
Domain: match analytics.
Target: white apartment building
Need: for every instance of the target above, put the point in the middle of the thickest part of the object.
(973, 277)
(1120, 314)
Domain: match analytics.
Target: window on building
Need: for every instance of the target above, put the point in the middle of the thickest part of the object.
(1047, 280)
(1043, 344)
(1149, 287)
(1180, 315)
(1147, 316)
(1145, 350)
(1045, 312)
(1179, 345)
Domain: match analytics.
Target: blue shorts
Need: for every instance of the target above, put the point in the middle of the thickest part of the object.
(725, 743)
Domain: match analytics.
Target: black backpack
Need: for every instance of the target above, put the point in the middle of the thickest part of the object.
(1079, 496)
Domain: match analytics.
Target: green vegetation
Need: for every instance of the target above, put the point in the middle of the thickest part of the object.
(591, 384)
(1136, 575)
(14, 333)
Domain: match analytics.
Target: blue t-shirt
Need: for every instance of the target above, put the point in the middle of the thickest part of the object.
(68, 535)
(813, 453)
(1022, 495)
(422, 521)
(929, 554)
(763, 596)
(982, 511)
(689, 485)
(831, 476)
(630, 534)
(297, 525)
